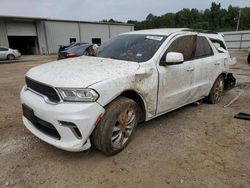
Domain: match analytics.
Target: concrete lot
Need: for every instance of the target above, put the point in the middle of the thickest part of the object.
(195, 146)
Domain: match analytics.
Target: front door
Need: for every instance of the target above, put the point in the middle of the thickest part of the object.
(175, 81)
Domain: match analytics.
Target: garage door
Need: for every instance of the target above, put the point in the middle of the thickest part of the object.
(21, 29)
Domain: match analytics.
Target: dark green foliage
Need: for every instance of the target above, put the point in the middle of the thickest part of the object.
(215, 18)
(111, 21)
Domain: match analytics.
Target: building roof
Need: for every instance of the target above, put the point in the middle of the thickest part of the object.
(24, 18)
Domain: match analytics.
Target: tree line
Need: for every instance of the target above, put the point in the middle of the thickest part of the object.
(216, 18)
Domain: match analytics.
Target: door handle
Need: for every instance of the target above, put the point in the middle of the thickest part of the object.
(217, 63)
(189, 69)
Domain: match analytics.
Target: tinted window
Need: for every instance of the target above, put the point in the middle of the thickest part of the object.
(203, 48)
(3, 49)
(79, 50)
(184, 45)
(132, 47)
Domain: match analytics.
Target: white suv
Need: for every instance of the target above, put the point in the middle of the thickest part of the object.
(134, 77)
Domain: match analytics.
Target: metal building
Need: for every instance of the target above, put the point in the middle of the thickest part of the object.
(43, 36)
(237, 39)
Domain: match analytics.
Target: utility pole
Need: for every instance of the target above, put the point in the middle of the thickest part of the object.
(238, 21)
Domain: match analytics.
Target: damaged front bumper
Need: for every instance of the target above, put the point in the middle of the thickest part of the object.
(65, 125)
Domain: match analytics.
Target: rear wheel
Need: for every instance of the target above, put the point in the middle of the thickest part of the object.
(116, 127)
(216, 91)
(10, 57)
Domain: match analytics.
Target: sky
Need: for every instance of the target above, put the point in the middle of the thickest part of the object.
(96, 10)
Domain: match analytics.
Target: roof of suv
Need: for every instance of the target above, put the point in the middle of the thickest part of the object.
(157, 31)
(169, 31)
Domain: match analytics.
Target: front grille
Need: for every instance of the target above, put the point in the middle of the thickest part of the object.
(43, 89)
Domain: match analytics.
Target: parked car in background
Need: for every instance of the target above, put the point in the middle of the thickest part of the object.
(8, 53)
(76, 51)
(134, 77)
(62, 47)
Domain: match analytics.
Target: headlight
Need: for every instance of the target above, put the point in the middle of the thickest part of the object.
(78, 95)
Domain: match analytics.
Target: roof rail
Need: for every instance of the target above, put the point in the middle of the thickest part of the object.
(201, 31)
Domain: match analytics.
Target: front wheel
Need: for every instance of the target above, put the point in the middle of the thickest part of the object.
(216, 91)
(116, 127)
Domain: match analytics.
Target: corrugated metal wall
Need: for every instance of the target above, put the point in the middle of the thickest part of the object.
(237, 40)
(52, 33)
(43, 46)
(89, 31)
(59, 33)
(3, 35)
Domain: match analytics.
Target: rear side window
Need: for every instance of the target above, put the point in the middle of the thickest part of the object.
(184, 45)
(78, 49)
(219, 42)
(3, 49)
(203, 48)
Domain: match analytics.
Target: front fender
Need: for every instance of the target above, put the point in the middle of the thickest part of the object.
(143, 83)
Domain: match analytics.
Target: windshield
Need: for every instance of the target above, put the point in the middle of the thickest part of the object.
(139, 48)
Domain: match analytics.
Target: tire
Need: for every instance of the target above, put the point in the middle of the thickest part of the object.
(10, 57)
(216, 91)
(115, 130)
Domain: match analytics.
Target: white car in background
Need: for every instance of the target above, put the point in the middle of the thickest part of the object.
(9, 54)
(134, 77)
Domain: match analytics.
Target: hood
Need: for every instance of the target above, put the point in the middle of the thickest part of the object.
(81, 72)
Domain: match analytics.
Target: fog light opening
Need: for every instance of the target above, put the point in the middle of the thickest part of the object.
(72, 127)
(76, 132)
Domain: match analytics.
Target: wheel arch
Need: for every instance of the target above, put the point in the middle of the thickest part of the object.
(135, 96)
(229, 80)
(224, 74)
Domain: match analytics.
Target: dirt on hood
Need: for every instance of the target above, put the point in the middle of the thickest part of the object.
(81, 72)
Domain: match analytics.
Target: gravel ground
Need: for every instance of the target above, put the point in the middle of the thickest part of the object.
(194, 146)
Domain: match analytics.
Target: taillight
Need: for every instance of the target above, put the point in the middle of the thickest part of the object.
(70, 55)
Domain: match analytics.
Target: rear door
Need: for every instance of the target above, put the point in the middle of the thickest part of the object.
(175, 80)
(205, 67)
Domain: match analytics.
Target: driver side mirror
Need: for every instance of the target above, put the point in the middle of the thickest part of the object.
(173, 58)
